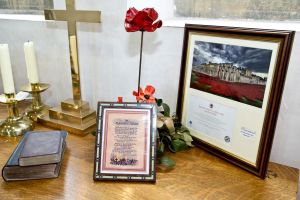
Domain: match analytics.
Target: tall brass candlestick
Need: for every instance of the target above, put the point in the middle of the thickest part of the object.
(37, 109)
(15, 124)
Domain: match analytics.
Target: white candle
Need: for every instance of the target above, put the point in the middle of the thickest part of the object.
(6, 71)
(30, 59)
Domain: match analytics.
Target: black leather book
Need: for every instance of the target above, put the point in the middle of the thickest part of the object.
(12, 171)
(41, 148)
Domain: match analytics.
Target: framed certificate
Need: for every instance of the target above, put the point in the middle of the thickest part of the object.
(230, 90)
(125, 142)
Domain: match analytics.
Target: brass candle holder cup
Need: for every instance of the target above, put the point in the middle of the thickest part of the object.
(15, 124)
(37, 108)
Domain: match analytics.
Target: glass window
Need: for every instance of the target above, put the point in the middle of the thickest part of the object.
(25, 6)
(277, 10)
(239, 9)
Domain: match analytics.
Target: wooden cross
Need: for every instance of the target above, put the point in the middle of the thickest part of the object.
(71, 15)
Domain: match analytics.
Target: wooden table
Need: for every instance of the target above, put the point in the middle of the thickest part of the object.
(198, 175)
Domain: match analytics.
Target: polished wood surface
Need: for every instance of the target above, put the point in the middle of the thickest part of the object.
(198, 175)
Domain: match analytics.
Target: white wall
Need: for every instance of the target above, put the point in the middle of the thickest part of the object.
(109, 59)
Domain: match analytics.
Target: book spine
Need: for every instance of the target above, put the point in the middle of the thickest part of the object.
(15, 153)
(4, 178)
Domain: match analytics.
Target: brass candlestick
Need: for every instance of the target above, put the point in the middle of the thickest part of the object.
(37, 108)
(15, 124)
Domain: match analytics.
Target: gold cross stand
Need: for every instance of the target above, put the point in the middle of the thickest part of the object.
(73, 115)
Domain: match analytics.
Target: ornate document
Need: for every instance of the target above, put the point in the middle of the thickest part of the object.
(125, 141)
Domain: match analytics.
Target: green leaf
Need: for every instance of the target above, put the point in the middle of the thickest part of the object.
(166, 139)
(187, 138)
(166, 164)
(182, 129)
(166, 110)
(189, 144)
(159, 102)
(163, 134)
(170, 146)
(176, 136)
(176, 120)
(160, 149)
(179, 145)
(169, 137)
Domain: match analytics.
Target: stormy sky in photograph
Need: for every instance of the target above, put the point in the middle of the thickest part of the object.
(254, 59)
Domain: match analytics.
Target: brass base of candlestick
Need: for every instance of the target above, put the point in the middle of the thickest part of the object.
(73, 116)
(15, 124)
(15, 127)
(34, 115)
(37, 109)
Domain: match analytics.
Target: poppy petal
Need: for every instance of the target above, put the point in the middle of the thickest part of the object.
(130, 14)
(151, 100)
(139, 98)
(135, 93)
(131, 27)
(154, 26)
(120, 99)
(149, 90)
(141, 91)
(142, 20)
(151, 13)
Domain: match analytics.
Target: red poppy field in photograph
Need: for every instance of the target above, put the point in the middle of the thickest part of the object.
(251, 94)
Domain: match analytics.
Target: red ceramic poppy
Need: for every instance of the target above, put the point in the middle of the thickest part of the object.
(120, 99)
(146, 95)
(143, 20)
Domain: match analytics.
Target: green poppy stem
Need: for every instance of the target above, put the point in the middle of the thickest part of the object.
(140, 66)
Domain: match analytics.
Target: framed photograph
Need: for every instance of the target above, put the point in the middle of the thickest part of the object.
(125, 142)
(230, 89)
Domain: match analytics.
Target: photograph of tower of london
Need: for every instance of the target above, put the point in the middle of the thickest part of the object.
(235, 72)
